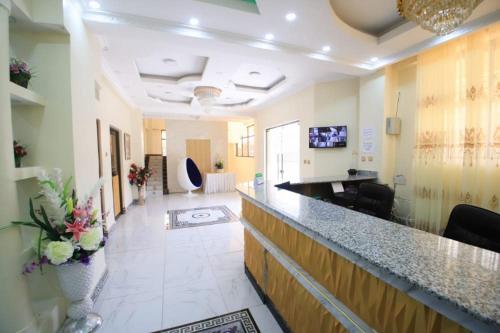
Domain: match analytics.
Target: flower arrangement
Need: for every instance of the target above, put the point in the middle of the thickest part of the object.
(19, 152)
(138, 175)
(68, 231)
(219, 165)
(20, 73)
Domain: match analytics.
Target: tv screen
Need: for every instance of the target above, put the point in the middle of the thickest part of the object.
(328, 137)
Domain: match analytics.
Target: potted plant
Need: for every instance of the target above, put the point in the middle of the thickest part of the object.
(19, 152)
(20, 73)
(219, 166)
(139, 176)
(69, 233)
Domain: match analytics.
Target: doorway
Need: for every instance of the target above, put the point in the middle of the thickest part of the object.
(116, 172)
(283, 153)
(101, 173)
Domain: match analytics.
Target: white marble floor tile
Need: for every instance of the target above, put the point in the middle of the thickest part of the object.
(198, 301)
(222, 245)
(227, 264)
(131, 281)
(182, 273)
(265, 320)
(238, 292)
(140, 313)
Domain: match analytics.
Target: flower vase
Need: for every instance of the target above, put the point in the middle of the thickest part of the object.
(142, 200)
(20, 79)
(17, 161)
(75, 280)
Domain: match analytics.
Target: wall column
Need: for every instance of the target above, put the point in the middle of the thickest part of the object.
(16, 314)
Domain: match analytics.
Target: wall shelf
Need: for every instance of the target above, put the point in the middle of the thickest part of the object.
(20, 96)
(26, 173)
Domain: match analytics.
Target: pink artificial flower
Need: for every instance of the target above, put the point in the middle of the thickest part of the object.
(76, 228)
(80, 213)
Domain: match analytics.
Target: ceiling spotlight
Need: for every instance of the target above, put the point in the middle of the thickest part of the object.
(94, 5)
(169, 61)
(326, 48)
(291, 17)
(254, 73)
(374, 59)
(194, 21)
(269, 36)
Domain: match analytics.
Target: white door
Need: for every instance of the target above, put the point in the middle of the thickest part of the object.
(283, 153)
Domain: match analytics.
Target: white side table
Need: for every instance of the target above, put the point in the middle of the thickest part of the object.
(220, 182)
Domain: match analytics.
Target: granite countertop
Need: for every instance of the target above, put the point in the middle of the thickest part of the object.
(456, 279)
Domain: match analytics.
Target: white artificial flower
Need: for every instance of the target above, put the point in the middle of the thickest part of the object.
(51, 196)
(59, 252)
(91, 239)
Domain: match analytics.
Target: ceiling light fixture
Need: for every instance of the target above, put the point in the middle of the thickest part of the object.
(94, 5)
(439, 16)
(269, 36)
(207, 95)
(290, 17)
(169, 61)
(254, 73)
(326, 48)
(374, 59)
(194, 21)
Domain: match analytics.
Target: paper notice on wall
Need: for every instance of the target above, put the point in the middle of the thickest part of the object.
(368, 140)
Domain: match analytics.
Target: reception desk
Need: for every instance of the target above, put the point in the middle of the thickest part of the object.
(324, 268)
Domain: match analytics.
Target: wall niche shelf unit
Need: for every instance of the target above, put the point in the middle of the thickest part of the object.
(26, 173)
(20, 96)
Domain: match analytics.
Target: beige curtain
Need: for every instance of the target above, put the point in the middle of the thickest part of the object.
(457, 152)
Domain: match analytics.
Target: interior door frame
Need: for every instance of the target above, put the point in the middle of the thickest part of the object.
(116, 131)
(101, 171)
(265, 140)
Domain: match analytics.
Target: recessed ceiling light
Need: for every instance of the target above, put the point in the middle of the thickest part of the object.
(269, 36)
(374, 59)
(169, 61)
(94, 5)
(326, 48)
(194, 21)
(254, 73)
(291, 17)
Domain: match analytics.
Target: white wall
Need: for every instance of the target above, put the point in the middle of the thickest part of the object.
(178, 131)
(332, 103)
(112, 111)
(371, 115)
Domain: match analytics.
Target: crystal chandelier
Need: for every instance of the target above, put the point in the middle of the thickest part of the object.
(438, 16)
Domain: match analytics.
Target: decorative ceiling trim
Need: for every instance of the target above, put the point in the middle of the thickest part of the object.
(234, 105)
(267, 89)
(166, 100)
(109, 17)
(153, 78)
(249, 6)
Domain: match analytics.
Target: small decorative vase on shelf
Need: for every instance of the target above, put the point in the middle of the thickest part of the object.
(220, 170)
(75, 279)
(20, 79)
(18, 161)
(142, 200)
(20, 73)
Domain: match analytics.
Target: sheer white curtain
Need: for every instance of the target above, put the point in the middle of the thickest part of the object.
(457, 152)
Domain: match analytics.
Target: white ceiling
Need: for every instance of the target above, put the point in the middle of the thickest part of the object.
(228, 44)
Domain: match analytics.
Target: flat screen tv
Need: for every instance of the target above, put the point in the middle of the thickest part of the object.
(328, 137)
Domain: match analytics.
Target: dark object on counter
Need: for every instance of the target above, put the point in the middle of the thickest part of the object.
(352, 172)
(475, 226)
(375, 199)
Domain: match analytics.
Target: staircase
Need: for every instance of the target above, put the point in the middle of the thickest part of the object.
(155, 183)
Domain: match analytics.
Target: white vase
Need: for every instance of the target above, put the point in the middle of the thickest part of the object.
(75, 280)
(142, 199)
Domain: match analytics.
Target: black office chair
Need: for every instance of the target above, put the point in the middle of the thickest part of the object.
(375, 199)
(475, 226)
